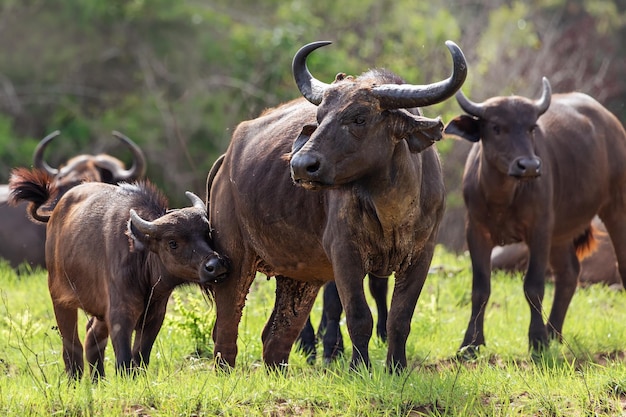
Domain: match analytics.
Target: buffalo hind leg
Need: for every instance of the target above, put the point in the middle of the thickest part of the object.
(67, 320)
(566, 269)
(307, 342)
(294, 300)
(614, 220)
(329, 328)
(379, 287)
(95, 344)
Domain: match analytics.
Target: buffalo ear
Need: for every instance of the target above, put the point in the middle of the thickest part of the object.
(305, 135)
(137, 241)
(419, 132)
(464, 126)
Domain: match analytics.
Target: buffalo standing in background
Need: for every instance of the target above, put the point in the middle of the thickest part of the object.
(538, 173)
(24, 241)
(117, 253)
(365, 195)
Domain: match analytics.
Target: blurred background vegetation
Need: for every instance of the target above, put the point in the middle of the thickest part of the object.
(178, 76)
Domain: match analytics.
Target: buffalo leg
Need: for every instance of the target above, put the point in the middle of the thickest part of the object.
(534, 290)
(329, 326)
(406, 292)
(294, 300)
(614, 220)
(379, 288)
(307, 341)
(480, 247)
(349, 281)
(230, 299)
(121, 328)
(95, 344)
(566, 269)
(146, 332)
(67, 320)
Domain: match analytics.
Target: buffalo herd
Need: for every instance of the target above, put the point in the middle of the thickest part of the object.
(322, 191)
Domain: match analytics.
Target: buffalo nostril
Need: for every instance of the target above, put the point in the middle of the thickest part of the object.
(313, 167)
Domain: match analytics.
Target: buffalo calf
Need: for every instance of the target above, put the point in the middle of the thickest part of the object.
(538, 173)
(117, 253)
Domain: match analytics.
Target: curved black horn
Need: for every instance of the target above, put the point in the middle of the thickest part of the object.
(468, 106)
(38, 161)
(144, 226)
(138, 168)
(311, 88)
(403, 96)
(211, 176)
(195, 200)
(543, 102)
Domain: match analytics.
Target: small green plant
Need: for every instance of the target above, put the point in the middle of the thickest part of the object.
(193, 319)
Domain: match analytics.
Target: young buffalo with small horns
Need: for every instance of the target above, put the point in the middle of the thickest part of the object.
(117, 253)
(538, 172)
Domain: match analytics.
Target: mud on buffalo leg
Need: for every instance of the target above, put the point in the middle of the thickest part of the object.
(67, 320)
(294, 300)
(95, 345)
(566, 269)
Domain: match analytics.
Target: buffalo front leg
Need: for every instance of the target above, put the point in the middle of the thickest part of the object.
(407, 289)
(294, 300)
(480, 246)
(67, 320)
(95, 345)
(534, 289)
(147, 330)
(566, 269)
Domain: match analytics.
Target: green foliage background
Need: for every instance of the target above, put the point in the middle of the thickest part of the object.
(177, 76)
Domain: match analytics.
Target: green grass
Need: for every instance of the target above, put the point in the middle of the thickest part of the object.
(586, 375)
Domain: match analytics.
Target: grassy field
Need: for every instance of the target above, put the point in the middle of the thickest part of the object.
(586, 375)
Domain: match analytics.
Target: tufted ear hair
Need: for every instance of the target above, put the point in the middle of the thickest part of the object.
(135, 238)
(420, 132)
(465, 127)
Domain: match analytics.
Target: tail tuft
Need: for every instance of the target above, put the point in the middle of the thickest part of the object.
(586, 243)
(34, 186)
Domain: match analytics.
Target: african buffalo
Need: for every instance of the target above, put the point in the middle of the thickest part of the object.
(117, 253)
(331, 187)
(24, 241)
(538, 172)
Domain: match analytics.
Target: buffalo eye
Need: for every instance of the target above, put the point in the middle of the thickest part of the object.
(532, 129)
(359, 120)
(496, 129)
(172, 244)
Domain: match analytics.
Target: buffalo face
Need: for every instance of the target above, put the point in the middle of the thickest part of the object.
(507, 128)
(360, 121)
(181, 240)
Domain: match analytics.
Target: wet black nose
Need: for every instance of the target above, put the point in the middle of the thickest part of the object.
(525, 167)
(304, 166)
(214, 270)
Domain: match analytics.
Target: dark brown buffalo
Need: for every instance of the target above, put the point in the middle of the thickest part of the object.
(117, 253)
(339, 185)
(538, 173)
(22, 241)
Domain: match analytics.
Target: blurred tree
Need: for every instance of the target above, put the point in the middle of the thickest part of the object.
(177, 77)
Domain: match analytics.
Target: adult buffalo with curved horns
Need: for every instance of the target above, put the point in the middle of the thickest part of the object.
(362, 144)
(22, 240)
(539, 171)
